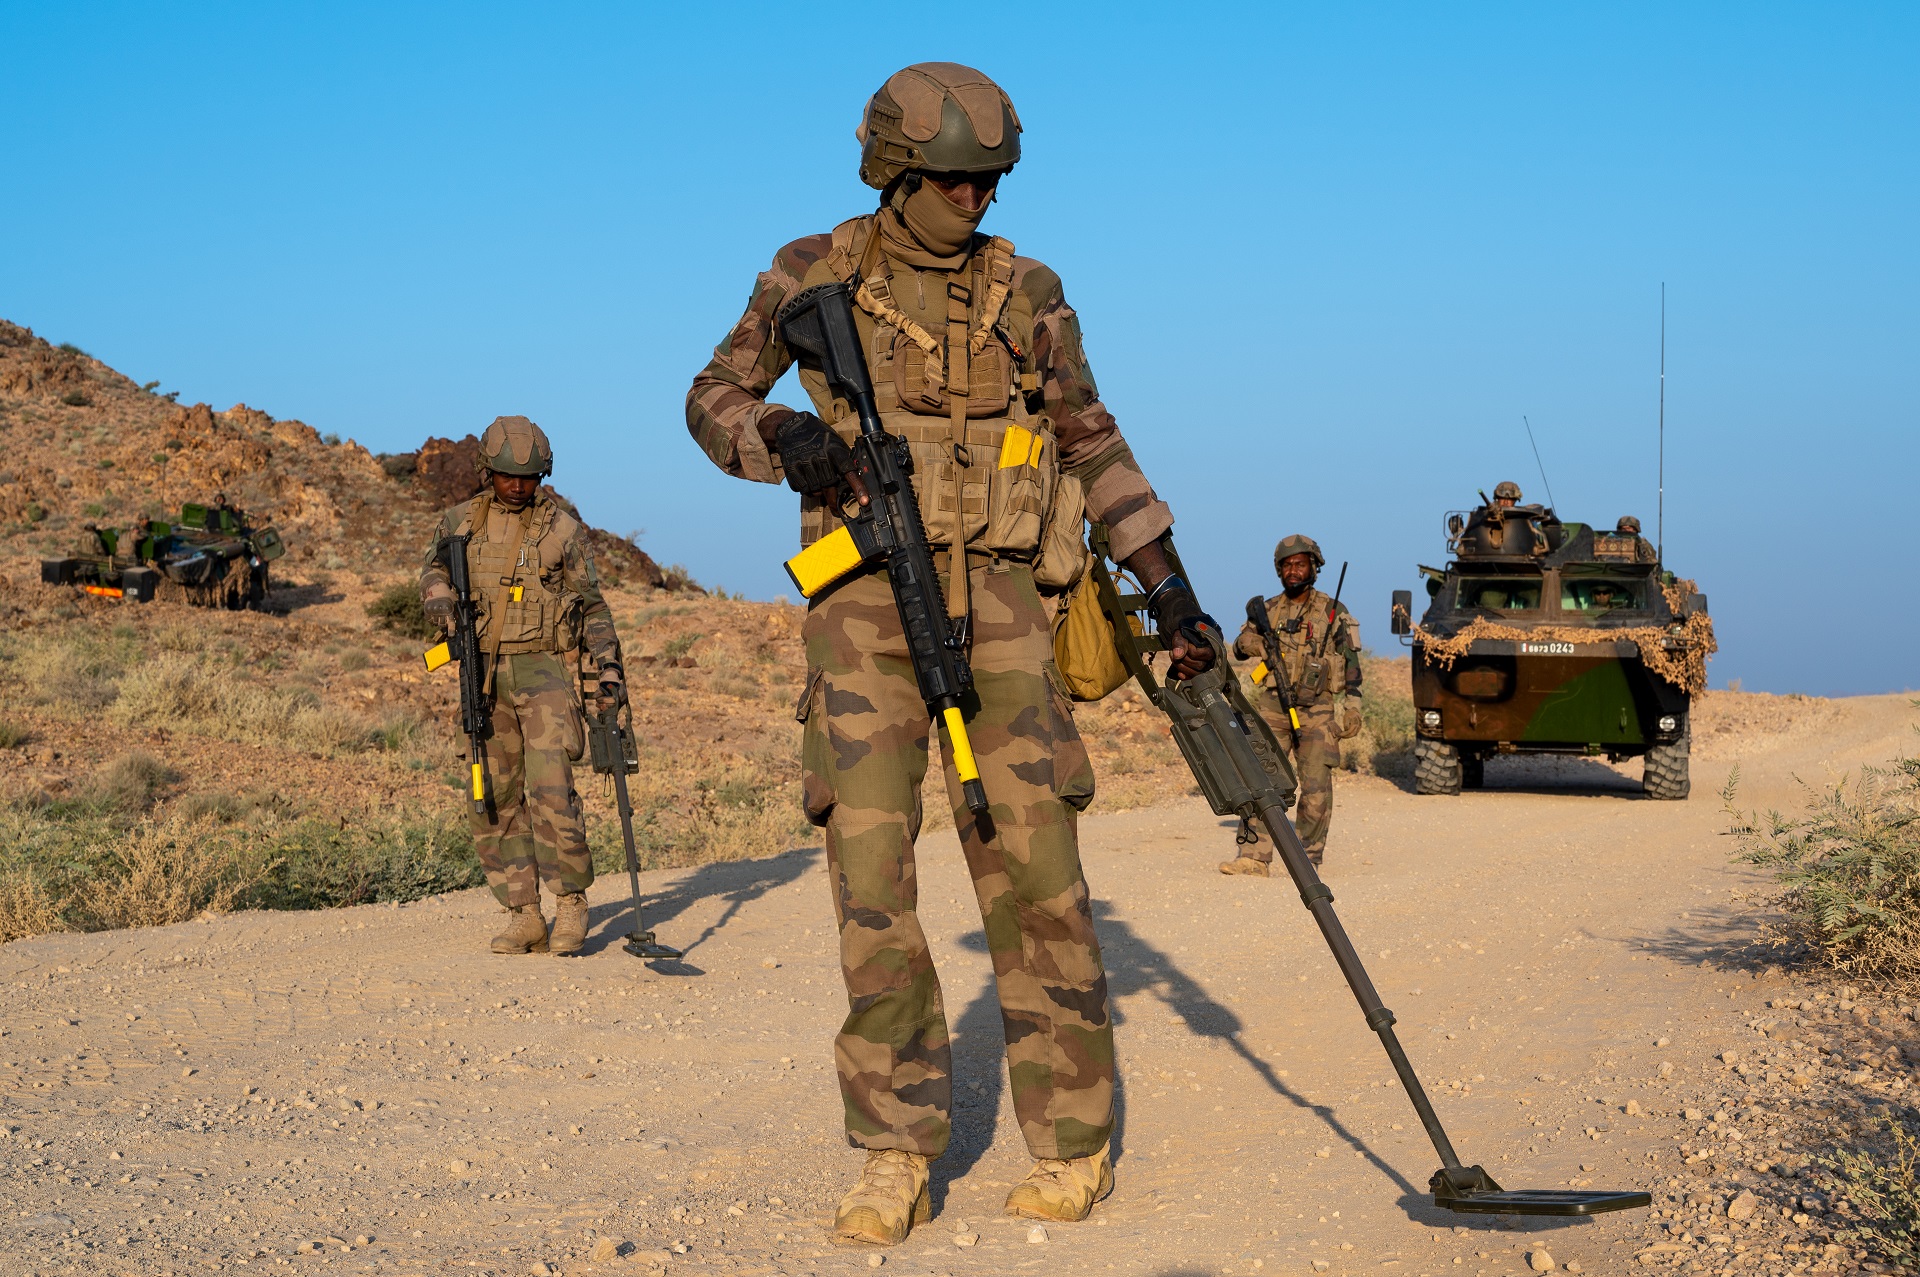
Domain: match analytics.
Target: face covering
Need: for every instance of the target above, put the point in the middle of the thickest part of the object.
(926, 229)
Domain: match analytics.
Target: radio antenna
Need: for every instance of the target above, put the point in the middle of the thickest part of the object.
(1540, 463)
(1660, 514)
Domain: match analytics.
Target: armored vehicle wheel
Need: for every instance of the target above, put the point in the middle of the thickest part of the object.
(1666, 775)
(1436, 768)
(1473, 773)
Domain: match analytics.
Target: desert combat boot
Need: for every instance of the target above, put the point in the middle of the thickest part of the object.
(569, 923)
(526, 931)
(889, 1200)
(1062, 1189)
(1246, 865)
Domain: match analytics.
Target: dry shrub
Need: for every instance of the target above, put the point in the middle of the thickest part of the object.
(185, 692)
(170, 871)
(1846, 872)
(719, 808)
(1881, 1178)
(129, 783)
(27, 908)
(74, 674)
(13, 735)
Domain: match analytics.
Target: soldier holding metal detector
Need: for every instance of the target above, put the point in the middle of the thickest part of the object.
(955, 443)
(1310, 649)
(510, 580)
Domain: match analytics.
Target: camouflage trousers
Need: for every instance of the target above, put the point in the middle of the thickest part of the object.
(537, 833)
(1314, 761)
(865, 754)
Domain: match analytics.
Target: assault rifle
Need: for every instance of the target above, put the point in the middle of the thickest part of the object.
(463, 645)
(1270, 639)
(1237, 761)
(819, 323)
(611, 745)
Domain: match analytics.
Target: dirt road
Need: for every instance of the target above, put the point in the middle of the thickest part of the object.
(368, 1091)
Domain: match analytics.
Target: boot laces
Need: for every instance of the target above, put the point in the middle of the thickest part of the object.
(888, 1170)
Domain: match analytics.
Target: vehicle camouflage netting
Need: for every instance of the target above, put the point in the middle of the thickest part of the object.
(1683, 665)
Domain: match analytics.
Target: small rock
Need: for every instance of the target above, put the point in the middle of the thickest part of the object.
(1743, 1205)
(541, 1268)
(1666, 1070)
(1729, 1057)
(1323, 1152)
(1037, 1235)
(457, 1166)
(1633, 1108)
(605, 1249)
(1573, 1266)
(966, 1239)
(1692, 1115)
(874, 1261)
(1321, 1265)
(363, 1240)
(1658, 1042)
(769, 963)
(1540, 1261)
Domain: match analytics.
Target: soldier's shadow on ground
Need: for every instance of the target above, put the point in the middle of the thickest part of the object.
(1134, 967)
(737, 882)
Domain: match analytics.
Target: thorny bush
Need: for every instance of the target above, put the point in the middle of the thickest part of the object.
(1883, 1183)
(1846, 871)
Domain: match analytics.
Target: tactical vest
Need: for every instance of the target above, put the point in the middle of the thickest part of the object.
(1312, 658)
(517, 565)
(951, 357)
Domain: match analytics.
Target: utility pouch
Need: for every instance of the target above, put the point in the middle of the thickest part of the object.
(610, 747)
(1085, 650)
(1062, 560)
(1313, 680)
(1021, 488)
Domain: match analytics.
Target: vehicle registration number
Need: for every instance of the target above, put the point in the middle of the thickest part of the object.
(1546, 649)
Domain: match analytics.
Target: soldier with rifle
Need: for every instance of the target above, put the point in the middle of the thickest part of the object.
(510, 580)
(1309, 648)
(955, 444)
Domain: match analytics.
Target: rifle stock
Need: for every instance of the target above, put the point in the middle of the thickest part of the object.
(1270, 639)
(463, 645)
(819, 323)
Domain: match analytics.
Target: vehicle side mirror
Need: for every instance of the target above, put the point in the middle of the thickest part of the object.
(1695, 605)
(1402, 622)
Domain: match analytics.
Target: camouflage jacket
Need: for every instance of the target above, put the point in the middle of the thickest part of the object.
(535, 582)
(728, 400)
(1309, 656)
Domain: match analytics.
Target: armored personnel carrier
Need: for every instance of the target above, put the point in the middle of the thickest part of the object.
(211, 555)
(1550, 637)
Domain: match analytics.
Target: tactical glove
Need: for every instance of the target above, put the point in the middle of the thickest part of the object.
(1177, 612)
(613, 689)
(1350, 720)
(441, 611)
(815, 458)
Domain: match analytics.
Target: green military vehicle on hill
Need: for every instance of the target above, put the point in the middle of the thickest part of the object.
(1544, 637)
(212, 554)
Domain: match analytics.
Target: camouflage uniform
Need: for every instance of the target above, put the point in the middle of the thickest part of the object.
(536, 832)
(1013, 351)
(1315, 682)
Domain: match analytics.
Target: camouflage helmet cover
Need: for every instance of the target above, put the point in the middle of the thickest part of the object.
(1508, 489)
(514, 445)
(1628, 524)
(937, 117)
(1297, 544)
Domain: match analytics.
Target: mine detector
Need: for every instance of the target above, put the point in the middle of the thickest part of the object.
(1242, 772)
(211, 551)
(1583, 622)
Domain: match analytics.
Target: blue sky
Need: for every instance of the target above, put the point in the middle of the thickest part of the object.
(1326, 257)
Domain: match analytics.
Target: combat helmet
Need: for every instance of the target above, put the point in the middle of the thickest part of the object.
(1298, 544)
(514, 445)
(937, 117)
(1628, 525)
(1506, 488)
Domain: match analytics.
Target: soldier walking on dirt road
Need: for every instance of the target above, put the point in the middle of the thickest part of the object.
(976, 361)
(1320, 660)
(540, 610)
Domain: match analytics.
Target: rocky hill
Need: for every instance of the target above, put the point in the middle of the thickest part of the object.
(85, 444)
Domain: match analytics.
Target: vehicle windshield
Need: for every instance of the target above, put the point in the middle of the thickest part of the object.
(1591, 594)
(1500, 593)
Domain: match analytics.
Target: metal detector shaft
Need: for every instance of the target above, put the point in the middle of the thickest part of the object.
(1318, 898)
(640, 942)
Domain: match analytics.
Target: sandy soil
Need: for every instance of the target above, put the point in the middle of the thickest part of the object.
(369, 1091)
